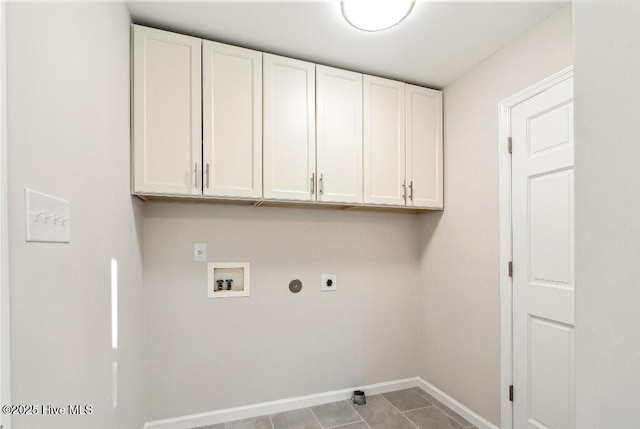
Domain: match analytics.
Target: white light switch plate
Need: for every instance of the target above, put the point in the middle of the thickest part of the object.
(47, 218)
(199, 252)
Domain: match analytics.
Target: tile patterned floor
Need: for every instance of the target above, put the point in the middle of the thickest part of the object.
(402, 409)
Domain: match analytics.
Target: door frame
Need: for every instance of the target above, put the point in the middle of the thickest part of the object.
(506, 237)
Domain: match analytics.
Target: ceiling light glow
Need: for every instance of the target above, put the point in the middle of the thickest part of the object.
(375, 15)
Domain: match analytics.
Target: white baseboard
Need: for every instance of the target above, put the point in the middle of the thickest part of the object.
(264, 408)
(456, 406)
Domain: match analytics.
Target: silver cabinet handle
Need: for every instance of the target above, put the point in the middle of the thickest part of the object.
(321, 184)
(195, 176)
(207, 172)
(404, 191)
(411, 190)
(313, 183)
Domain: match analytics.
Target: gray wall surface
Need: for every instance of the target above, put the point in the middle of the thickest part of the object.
(607, 134)
(68, 135)
(208, 354)
(459, 309)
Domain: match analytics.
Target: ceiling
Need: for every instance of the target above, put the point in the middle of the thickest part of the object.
(435, 45)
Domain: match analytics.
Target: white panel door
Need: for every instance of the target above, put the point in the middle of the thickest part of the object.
(167, 136)
(339, 135)
(424, 147)
(543, 260)
(232, 121)
(289, 129)
(384, 142)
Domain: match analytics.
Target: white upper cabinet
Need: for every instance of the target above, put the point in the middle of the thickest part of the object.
(224, 122)
(339, 135)
(289, 158)
(424, 147)
(232, 121)
(167, 137)
(384, 142)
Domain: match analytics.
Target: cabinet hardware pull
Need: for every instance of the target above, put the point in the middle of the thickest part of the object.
(195, 175)
(404, 191)
(207, 170)
(321, 184)
(313, 183)
(411, 190)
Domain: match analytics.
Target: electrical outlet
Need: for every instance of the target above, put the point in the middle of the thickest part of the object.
(199, 252)
(329, 282)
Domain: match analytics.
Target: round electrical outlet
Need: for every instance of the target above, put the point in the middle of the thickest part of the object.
(295, 286)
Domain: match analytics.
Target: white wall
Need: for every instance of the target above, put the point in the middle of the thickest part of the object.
(460, 301)
(607, 133)
(5, 361)
(207, 354)
(68, 116)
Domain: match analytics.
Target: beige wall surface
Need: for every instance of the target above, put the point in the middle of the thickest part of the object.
(459, 309)
(68, 135)
(607, 181)
(208, 354)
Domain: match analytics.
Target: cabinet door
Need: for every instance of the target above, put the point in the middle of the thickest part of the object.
(424, 147)
(167, 136)
(384, 141)
(339, 135)
(289, 129)
(232, 121)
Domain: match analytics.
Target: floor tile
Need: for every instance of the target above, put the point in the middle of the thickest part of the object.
(296, 419)
(256, 423)
(427, 396)
(380, 414)
(432, 418)
(335, 414)
(457, 417)
(406, 400)
(357, 425)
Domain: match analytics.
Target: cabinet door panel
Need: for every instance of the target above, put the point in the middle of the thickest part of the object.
(232, 121)
(424, 147)
(289, 129)
(339, 135)
(167, 138)
(384, 141)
